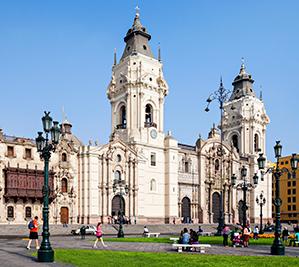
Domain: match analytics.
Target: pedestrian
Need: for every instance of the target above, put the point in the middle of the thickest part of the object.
(82, 232)
(256, 232)
(225, 234)
(99, 235)
(33, 235)
(285, 234)
(200, 231)
(246, 236)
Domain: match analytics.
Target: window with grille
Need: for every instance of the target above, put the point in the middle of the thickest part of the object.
(10, 212)
(28, 212)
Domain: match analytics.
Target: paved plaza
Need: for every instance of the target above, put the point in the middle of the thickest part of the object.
(13, 250)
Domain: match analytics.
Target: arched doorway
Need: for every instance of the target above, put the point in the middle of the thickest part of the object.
(118, 204)
(186, 210)
(216, 207)
(64, 215)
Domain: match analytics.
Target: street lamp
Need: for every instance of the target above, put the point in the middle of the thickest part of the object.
(261, 200)
(44, 147)
(123, 189)
(245, 186)
(277, 247)
(221, 95)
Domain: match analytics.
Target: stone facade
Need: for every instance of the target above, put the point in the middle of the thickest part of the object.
(165, 181)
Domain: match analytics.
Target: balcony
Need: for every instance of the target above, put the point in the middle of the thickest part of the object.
(26, 184)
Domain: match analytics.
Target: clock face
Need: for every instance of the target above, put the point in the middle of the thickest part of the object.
(153, 133)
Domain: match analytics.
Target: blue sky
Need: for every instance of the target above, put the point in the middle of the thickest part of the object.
(59, 53)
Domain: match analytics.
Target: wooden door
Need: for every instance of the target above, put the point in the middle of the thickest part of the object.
(64, 215)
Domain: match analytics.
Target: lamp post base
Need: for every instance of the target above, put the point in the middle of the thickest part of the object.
(45, 255)
(277, 249)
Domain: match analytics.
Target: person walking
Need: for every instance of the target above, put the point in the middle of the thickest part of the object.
(99, 235)
(225, 234)
(145, 231)
(246, 236)
(33, 235)
(285, 234)
(256, 232)
(82, 232)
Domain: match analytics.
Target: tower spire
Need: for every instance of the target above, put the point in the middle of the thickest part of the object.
(242, 69)
(137, 9)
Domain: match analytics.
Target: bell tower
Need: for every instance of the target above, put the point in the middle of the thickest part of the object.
(245, 118)
(137, 90)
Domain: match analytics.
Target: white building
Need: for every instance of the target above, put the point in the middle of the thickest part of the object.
(165, 180)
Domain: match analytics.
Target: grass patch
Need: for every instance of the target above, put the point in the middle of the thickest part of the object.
(86, 258)
(213, 240)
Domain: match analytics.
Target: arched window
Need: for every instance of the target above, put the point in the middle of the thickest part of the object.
(153, 185)
(235, 141)
(256, 143)
(117, 175)
(118, 158)
(148, 114)
(10, 212)
(64, 185)
(64, 157)
(123, 117)
(217, 165)
(28, 212)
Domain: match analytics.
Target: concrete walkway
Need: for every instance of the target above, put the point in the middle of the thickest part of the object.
(13, 251)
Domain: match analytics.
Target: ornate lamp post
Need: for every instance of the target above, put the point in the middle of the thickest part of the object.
(277, 247)
(221, 95)
(123, 189)
(44, 147)
(245, 186)
(261, 200)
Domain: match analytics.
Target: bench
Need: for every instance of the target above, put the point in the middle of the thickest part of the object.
(201, 247)
(174, 239)
(152, 234)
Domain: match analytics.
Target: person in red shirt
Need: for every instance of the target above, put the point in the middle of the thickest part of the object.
(33, 233)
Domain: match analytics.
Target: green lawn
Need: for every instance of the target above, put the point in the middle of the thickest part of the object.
(86, 258)
(203, 239)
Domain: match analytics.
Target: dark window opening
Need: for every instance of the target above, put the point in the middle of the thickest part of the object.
(10, 212)
(235, 141)
(144, 47)
(217, 165)
(28, 212)
(64, 185)
(256, 143)
(63, 157)
(153, 159)
(10, 151)
(28, 153)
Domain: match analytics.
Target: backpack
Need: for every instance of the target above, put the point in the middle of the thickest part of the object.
(30, 225)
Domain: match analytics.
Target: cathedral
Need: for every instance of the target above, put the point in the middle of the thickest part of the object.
(143, 171)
